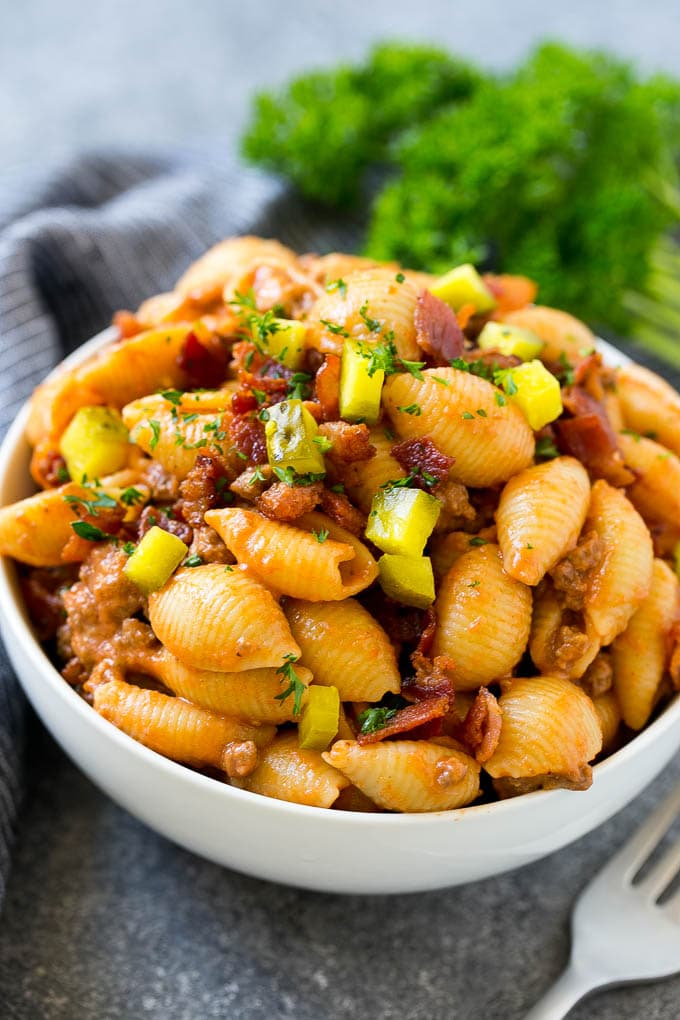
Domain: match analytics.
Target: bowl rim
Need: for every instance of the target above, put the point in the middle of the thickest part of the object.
(18, 626)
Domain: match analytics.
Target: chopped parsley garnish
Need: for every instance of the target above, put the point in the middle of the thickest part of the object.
(257, 476)
(321, 535)
(155, 427)
(372, 719)
(338, 488)
(442, 382)
(193, 561)
(545, 447)
(566, 371)
(299, 386)
(478, 541)
(479, 368)
(334, 328)
(338, 285)
(259, 395)
(529, 545)
(372, 325)
(400, 278)
(414, 409)
(467, 415)
(503, 377)
(632, 433)
(131, 496)
(474, 584)
(229, 570)
(129, 548)
(499, 398)
(88, 531)
(101, 501)
(323, 443)
(260, 325)
(186, 418)
(62, 474)
(295, 684)
(290, 476)
(481, 412)
(173, 397)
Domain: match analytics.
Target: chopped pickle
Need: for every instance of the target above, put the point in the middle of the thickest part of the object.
(401, 520)
(95, 443)
(287, 343)
(464, 286)
(535, 391)
(320, 718)
(156, 557)
(359, 392)
(676, 556)
(407, 579)
(510, 340)
(290, 433)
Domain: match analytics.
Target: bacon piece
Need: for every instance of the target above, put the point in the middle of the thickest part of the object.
(406, 719)
(127, 324)
(48, 467)
(163, 485)
(510, 292)
(429, 626)
(438, 333)
(431, 678)
(203, 489)
(481, 728)
(421, 456)
(351, 443)
(282, 502)
(339, 509)
(464, 314)
(589, 437)
(247, 435)
(402, 624)
(327, 387)
(245, 357)
(204, 367)
(493, 359)
(152, 516)
(108, 520)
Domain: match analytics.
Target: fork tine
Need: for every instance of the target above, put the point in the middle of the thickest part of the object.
(662, 874)
(635, 852)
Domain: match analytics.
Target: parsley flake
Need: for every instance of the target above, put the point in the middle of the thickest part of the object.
(155, 427)
(295, 685)
(321, 535)
(413, 409)
(372, 719)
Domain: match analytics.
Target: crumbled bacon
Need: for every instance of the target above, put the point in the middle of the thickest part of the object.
(456, 500)
(409, 718)
(48, 467)
(428, 628)
(339, 509)
(480, 731)
(127, 324)
(351, 443)
(432, 677)
(438, 333)
(589, 436)
(282, 502)
(252, 482)
(152, 516)
(327, 387)
(422, 458)
(247, 435)
(204, 367)
(203, 489)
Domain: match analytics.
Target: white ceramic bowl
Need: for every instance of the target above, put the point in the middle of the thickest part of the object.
(332, 851)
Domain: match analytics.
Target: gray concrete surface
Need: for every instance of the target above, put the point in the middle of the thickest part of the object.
(104, 919)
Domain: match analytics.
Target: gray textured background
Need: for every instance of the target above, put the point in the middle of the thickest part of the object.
(104, 919)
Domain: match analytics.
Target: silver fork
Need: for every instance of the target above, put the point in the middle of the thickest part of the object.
(620, 933)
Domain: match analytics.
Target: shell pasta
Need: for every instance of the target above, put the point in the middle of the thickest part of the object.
(357, 537)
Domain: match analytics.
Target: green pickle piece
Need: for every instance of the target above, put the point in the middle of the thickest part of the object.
(95, 443)
(360, 392)
(287, 343)
(464, 286)
(154, 560)
(536, 391)
(320, 718)
(401, 520)
(407, 579)
(290, 433)
(510, 340)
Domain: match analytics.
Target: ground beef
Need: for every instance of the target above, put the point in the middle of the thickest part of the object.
(568, 645)
(43, 594)
(510, 787)
(339, 509)
(571, 576)
(252, 482)
(351, 443)
(247, 435)
(281, 502)
(456, 501)
(163, 485)
(599, 676)
(203, 489)
(153, 516)
(207, 544)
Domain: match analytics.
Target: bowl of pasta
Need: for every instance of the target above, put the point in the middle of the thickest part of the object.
(348, 576)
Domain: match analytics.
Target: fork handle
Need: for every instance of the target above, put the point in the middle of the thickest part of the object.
(570, 986)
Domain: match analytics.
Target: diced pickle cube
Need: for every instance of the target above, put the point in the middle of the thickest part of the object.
(287, 344)
(401, 520)
(290, 434)
(464, 286)
(535, 391)
(156, 557)
(510, 340)
(320, 718)
(360, 392)
(95, 443)
(407, 579)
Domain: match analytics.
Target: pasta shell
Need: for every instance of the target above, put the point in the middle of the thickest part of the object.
(640, 654)
(540, 515)
(483, 618)
(170, 439)
(370, 294)
(624, 577)
(656, 491)
(649, 405)
(609, 714)
(36, 530)
(291, 560)
(550, 729)
(559, 644)
(249, 694)
(217, 618)
(286, 772)
(408, 775)
(364, 478)
(490, 443)
(561, 333)
(345, 647)
(173, 727)
(223, 266)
